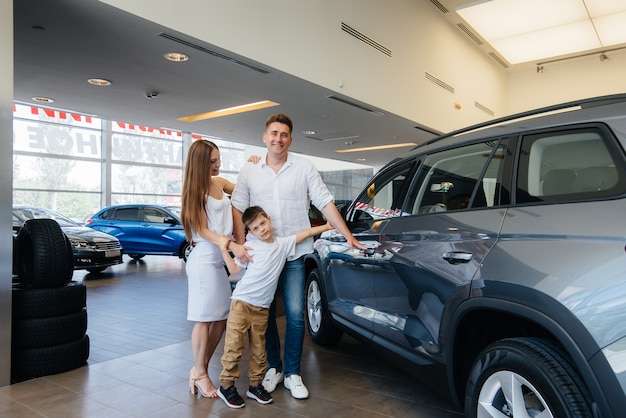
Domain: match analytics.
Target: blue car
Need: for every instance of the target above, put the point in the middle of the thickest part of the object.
(144, 229)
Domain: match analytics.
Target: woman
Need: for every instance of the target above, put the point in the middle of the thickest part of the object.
(206, 215)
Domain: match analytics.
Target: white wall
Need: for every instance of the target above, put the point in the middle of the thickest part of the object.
(567, 80)
(304, 38)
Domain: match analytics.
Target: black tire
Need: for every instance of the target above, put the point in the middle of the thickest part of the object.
(319, 322)
(46, 332)
(44, 303)
(37, 362)
(43, 256)
(136, 256)
(70, 255)
(185, 250)
(541, 375)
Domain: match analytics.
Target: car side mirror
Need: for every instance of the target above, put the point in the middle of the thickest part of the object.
(170, 221)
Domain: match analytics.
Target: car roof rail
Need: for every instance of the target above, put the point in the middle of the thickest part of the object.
(542, 111)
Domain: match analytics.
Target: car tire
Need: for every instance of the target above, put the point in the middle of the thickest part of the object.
(319, 322)
(185, 250)
(51, 331)
(37, 362)
(540, 374)
(43, 255)
(44, 303)
(136, 256)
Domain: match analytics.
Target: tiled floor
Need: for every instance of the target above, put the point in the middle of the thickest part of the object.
(140, 358)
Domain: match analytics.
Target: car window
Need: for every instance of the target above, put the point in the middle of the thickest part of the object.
(155, 215)
(562, 166)
(127, 214)
(460, 178)
(383, 198)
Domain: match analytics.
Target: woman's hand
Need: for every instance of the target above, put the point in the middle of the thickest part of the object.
(241, 252)
(254, 159)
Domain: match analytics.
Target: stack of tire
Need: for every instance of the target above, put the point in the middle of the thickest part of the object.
(49, 310)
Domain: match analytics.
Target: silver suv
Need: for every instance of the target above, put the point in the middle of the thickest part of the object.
(496, 264)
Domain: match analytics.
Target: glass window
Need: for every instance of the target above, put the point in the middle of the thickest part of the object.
(459, 178)
(383, 197)
(154, 215)
(127, 214)
(567, 165)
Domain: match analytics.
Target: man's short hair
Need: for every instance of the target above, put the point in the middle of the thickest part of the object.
(280, 118)
(251, 214)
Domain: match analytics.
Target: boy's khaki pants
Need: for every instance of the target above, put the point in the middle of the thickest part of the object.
(244, 321)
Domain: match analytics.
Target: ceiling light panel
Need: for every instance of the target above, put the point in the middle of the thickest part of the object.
(229, 111)
(527, 30)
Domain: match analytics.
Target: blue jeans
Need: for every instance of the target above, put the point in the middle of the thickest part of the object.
(291, 283)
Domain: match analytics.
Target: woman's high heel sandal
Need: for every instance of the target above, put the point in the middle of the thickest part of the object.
(194, 387)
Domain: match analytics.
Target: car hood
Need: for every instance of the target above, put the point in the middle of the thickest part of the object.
(87, 234)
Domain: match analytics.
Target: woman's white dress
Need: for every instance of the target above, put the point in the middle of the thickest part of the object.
(209, 288)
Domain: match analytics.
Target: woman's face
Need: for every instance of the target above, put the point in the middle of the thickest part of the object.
(216, 162)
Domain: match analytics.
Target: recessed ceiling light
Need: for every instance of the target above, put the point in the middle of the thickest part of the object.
(43, 99)
(176, 57)
(99, 82)
(309, 132)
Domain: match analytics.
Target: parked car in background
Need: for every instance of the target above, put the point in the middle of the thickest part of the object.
(496, 264)
(143, 229)
(93, 251)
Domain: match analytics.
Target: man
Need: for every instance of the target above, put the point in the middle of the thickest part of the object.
(284, 185)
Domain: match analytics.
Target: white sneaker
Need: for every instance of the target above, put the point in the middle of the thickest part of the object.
(297, 388)
(272, 379)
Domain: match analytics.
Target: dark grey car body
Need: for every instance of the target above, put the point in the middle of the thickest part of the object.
(512, 234)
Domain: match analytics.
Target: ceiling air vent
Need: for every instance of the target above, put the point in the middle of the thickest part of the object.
(358, 106)
(469, 33)
(438, 82)
(365, 39)
(214, 53)
(484, 108)
(439, 6)
(499, 60)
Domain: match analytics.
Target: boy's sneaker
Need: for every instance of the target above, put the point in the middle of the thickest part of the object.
(231, 397)
(272, 378)
(297, 388)
(259, 394)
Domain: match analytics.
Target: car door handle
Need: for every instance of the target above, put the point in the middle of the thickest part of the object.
(457, 257)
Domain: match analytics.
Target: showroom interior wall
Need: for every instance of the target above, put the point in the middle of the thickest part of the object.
(6, 179)
(305, 39)
(567, 80)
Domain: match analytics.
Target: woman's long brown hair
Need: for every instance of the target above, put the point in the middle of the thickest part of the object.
(196, 187)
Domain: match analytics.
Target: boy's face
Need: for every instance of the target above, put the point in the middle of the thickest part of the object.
(261, 228)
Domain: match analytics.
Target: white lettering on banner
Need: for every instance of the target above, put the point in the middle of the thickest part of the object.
(59, 141)
(84, 142)
(146, 150)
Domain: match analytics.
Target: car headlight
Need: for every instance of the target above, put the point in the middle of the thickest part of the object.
(81, 244)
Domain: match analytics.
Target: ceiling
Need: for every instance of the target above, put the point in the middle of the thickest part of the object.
(59, 44)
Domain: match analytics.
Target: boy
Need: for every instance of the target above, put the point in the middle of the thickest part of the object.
(250, 302)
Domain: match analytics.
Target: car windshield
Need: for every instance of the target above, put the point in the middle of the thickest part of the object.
(27, 213)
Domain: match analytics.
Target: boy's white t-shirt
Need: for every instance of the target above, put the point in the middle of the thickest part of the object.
(258, 283)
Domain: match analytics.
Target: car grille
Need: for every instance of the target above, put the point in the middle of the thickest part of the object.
(103, 246)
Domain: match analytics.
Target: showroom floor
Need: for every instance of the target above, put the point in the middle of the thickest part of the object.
(140, 358)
